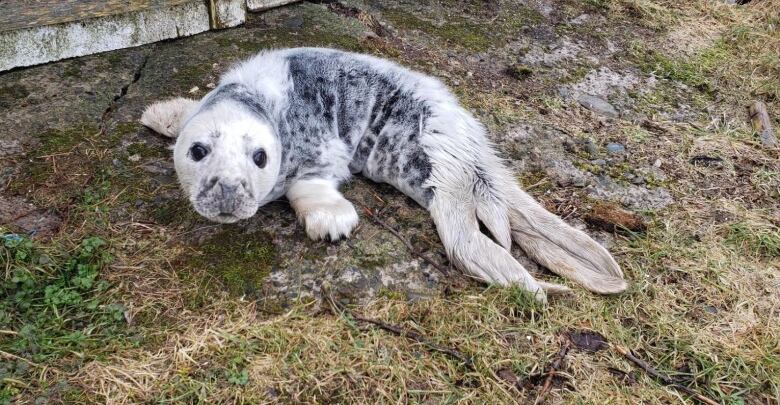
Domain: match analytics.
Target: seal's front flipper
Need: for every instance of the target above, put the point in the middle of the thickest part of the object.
(167, 117)
(322, 209)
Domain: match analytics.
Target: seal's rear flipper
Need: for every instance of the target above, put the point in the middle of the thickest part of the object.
(166, 117)
(475, 253)
(562, 248)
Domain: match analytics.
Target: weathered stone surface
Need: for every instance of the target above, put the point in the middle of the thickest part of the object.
(597, 105)
(615, 148)
(24, 217)
(632, 196)
(605, 82)
(542, 149)
(560, 52)
(227, 13)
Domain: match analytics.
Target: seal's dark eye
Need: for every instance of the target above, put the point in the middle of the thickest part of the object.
(260, 158)
(198, 152)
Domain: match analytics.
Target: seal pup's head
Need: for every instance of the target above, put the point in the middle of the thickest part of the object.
(227, 155)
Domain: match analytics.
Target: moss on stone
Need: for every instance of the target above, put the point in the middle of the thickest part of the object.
(114, 58)
(241, 261)
(519, 71)
(415, 218)
(370, 254)
(466, 26)
(577, 74)
(127, 127)
(312, 37)
(249, 47)
(72, 70)
(175, 211)
(62, 140)
(316, 27)
(120, 131)
(314, 251)
(11, 93)
(392, 295)
(191, 75)
(538, 179)
(54, 142)
(144, 150)
(457, 31)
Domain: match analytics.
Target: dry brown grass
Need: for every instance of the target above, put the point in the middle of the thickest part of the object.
(703, 305)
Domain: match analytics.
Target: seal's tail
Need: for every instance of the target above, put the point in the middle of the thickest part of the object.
(472, 186)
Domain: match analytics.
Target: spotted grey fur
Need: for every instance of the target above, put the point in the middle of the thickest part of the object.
(324, 115)
(337, 98)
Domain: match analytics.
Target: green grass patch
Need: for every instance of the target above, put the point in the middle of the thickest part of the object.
(54, 304)
(694, 72)
(241, 261)
(756, 239)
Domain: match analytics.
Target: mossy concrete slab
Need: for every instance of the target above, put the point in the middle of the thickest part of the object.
(39, 101)
(41, 44)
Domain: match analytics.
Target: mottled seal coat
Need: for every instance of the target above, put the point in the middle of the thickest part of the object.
(299, 122)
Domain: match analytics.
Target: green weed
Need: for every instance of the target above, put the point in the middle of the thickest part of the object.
(53, 304)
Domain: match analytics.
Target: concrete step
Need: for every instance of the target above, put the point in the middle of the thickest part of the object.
(35, 32)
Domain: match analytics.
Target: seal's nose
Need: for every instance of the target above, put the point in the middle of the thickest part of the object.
(228, 191)
(228, 201)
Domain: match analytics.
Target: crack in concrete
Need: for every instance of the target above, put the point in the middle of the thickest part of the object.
(122, 92)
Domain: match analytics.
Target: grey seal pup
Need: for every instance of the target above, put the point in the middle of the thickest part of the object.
(299, 122)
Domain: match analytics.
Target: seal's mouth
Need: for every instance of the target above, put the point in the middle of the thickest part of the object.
(225, 218)
(223, 204)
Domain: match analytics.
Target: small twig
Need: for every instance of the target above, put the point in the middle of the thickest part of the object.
(403, 332)
(406, 243)
(552, 370)
(15, 357)
(537, 184)
(15, 382)
(55, 154)
(360, 225)
(378, 198)
(662, 377)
